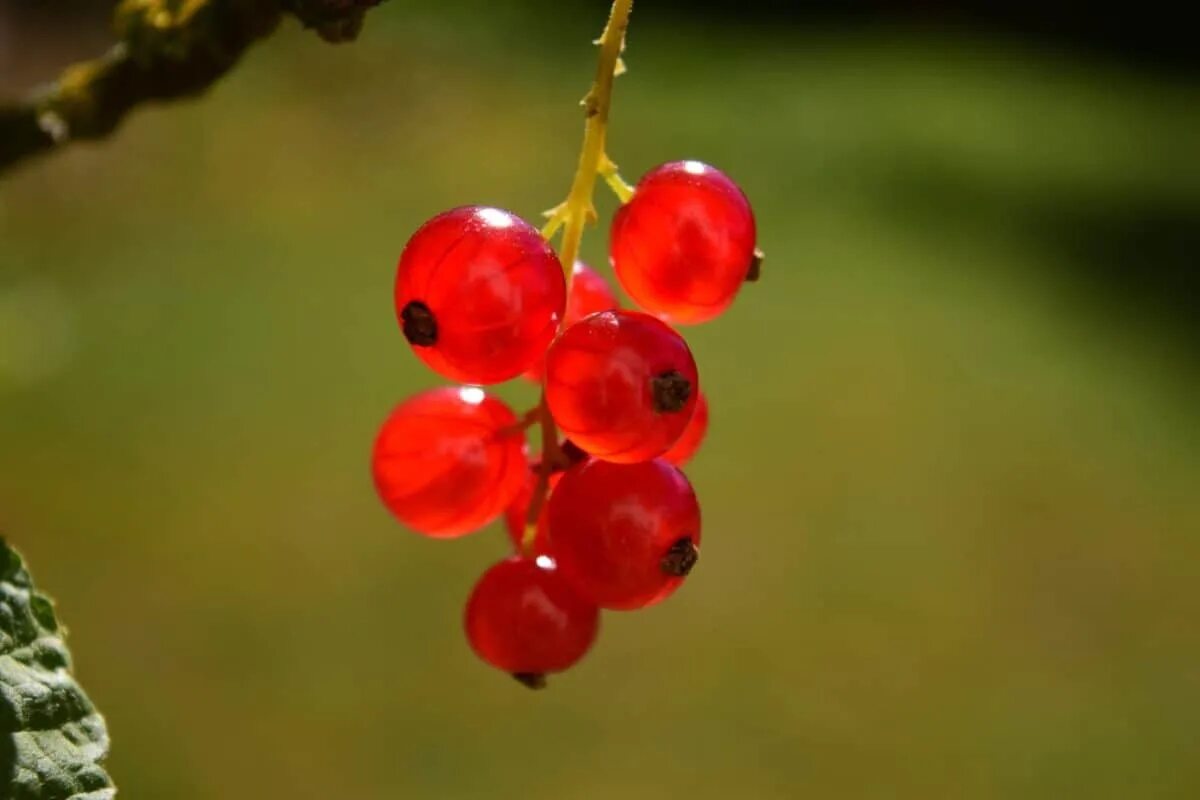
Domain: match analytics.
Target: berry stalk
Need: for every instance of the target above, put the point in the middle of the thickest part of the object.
(573, 213)
(578, 208)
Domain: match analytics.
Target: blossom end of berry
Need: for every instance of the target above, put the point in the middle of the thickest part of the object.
(755, 270)
(531, 680)
(419, 324)
(680, 558)
(670, 391)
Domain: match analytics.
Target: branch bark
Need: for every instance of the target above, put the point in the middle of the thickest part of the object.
(167, 49)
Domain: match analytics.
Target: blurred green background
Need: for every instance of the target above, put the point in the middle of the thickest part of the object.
(951, 488)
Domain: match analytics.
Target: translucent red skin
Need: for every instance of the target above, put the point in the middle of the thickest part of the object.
(611, 525)
(693, 435)
(495, 287)
(449, 460)
(587, 294)
(683, 244)
(514, 516)
(523, 618)
(598, 385)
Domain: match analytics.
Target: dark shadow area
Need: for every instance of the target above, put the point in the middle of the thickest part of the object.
(1151, 35)
(1137, 251)
(1142, 249)
(8, 765)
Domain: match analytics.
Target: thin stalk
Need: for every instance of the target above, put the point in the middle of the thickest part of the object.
(573, 214)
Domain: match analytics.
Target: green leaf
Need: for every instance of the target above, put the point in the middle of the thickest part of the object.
(52, 739)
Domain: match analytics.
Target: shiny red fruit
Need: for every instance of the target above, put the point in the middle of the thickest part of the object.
(479, 294)
(514, 515)
(693, 435)
(684, 243)
(524, 619)
(587, 294)
(621, 385)
(449, 460)
(624, 535)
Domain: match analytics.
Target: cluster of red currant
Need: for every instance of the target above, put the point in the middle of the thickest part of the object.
(604, 518)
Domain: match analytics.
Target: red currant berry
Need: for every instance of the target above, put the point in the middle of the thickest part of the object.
(479, 294)
(684, 243)
(449, 460)
(693, 435)
(516, 513)
(622, 385)
(524, 619)
(624, 535)
(587, 294)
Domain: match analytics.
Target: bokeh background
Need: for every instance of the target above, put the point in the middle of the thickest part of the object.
(951, 488)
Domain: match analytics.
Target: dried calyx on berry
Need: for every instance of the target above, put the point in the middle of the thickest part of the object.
(755, 270)
(419, 324)
(531, 680)
(680, 558)
(670, 391)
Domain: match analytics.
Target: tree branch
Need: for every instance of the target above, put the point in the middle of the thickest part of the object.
(168, 49)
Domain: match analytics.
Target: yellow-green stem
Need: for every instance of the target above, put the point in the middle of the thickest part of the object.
(608, 170)
(596, 106)
(573, 214)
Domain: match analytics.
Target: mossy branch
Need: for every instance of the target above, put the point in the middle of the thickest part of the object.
(167, 49)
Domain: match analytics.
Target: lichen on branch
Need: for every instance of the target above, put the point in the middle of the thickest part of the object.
(166, 49)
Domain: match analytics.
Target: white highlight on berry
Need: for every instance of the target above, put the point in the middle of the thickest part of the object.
(471, 394)
(694, 167)
(496, 218)
(545, 562)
